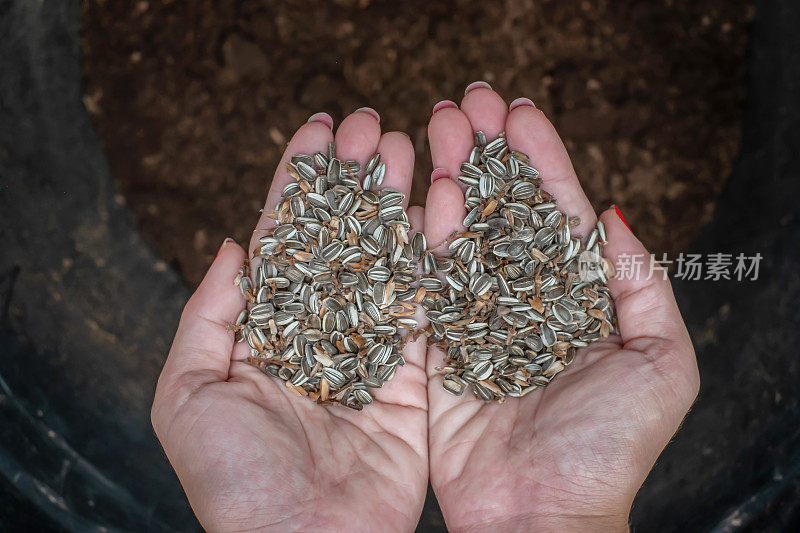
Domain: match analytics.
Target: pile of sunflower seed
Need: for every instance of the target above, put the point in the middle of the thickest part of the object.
(518, 293)
(332, 289)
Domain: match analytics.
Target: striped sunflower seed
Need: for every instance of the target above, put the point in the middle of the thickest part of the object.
(511, 304)
(333, 289)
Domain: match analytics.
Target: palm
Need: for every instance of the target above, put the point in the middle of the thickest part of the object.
(575, 446)
(255, 456)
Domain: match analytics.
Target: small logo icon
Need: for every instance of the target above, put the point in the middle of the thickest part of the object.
(590, 267)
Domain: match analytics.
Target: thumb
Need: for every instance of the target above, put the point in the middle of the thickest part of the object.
(649, 319)
(204, 340)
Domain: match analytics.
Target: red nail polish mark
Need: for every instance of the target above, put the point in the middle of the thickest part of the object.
(622, 218)
(439, 173)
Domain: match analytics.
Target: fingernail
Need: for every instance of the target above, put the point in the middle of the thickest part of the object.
(622, 218)
(475, 85)
(520, 102)
(370, 111)
(439, 173)
(444, 104)
(225, 243)
(322, 117)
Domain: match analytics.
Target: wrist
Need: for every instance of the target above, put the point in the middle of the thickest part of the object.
(560, 523)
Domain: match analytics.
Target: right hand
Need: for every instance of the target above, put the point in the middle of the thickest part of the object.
(572, 455)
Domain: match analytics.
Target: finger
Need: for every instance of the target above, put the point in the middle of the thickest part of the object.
(451, 139)
(409, 385)
(310, 138)
(204, 340)
(648, 315)
(358, 135)
(529, 131)
(416, 217)
(485, 109)
(444, 213)
(398, 153)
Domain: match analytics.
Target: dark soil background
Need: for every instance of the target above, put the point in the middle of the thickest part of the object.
(194, 101)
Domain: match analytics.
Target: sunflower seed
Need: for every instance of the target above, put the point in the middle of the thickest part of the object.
(453, 387)
(514, 304)
(328, 298)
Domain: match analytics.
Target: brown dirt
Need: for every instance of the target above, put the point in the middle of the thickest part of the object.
(194, 101)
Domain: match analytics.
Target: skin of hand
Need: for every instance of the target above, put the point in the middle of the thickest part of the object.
(252, 456)
(571, 456)
(568, 457)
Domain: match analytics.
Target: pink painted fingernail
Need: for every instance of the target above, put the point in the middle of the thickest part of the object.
(439, 173)
(444, 104)
(475, 85)
(369, 111)
(322, 117)
(520, 102)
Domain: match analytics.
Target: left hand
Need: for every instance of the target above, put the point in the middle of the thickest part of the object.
(250, 454)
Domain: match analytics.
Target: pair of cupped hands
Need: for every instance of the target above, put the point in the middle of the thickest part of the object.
(571, 456)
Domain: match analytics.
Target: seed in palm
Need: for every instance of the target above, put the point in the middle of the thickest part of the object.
(517, 296)
(331, 292)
